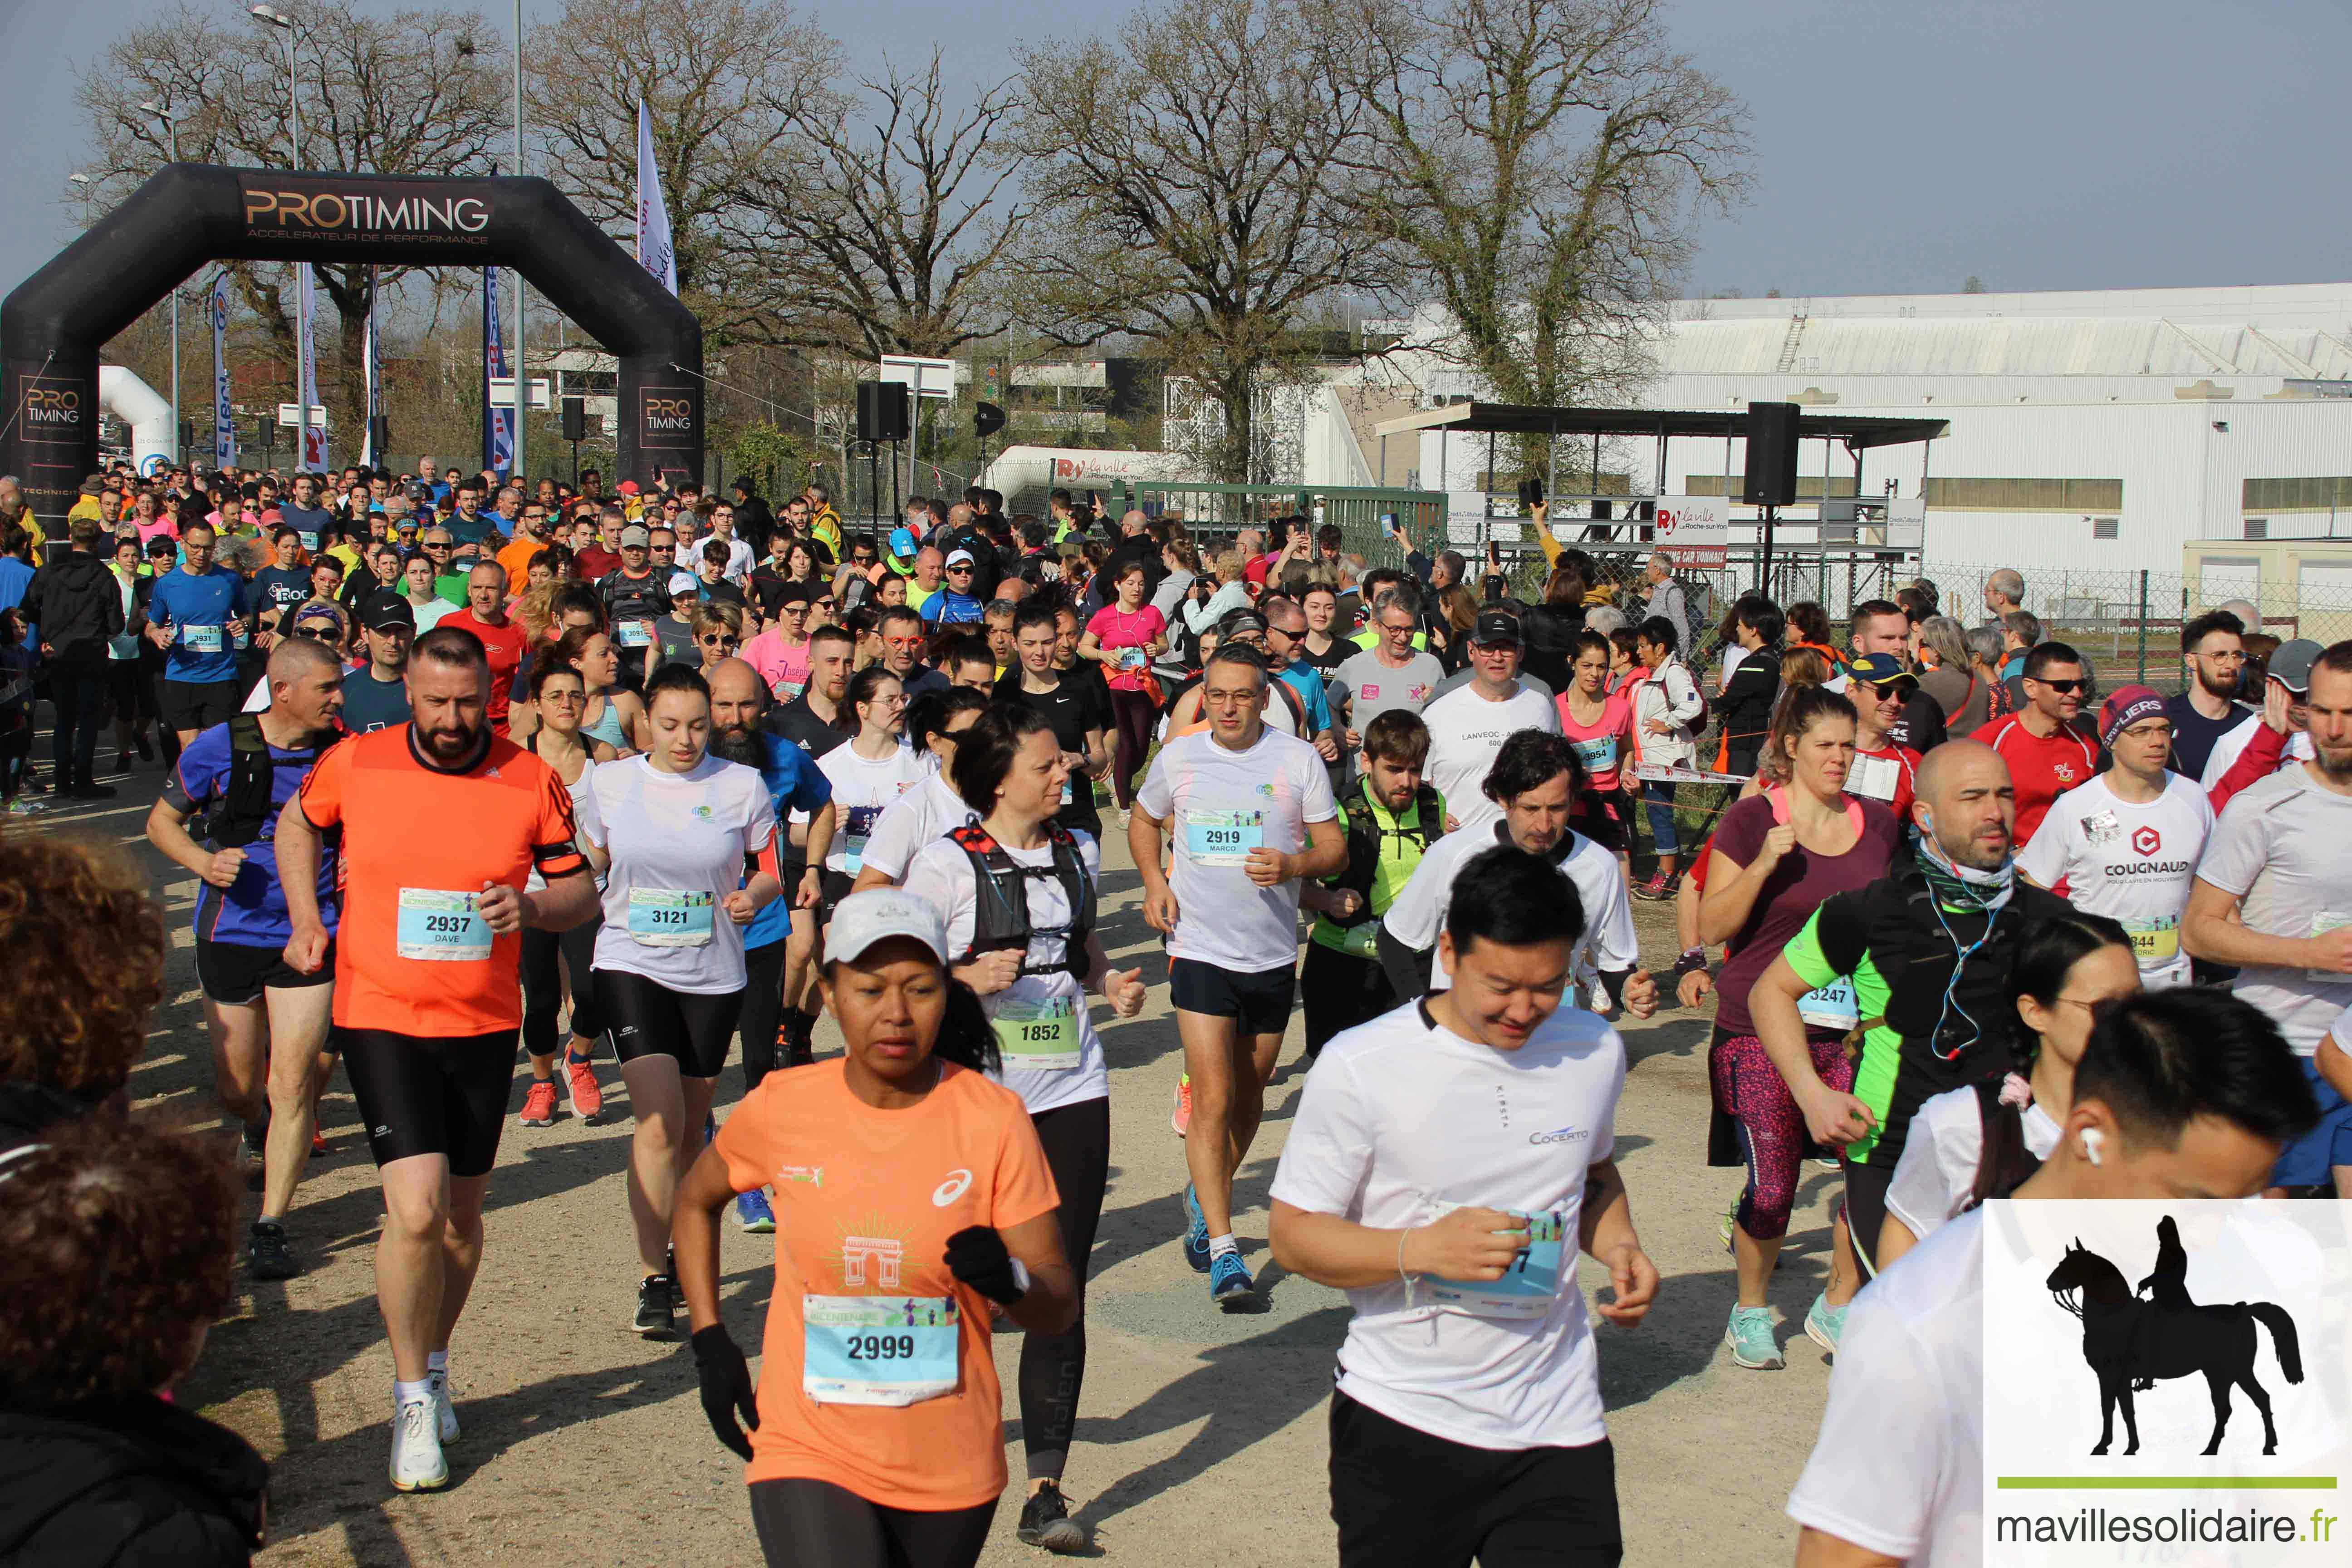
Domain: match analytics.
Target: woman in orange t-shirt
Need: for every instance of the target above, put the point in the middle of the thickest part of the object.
(911, 1198)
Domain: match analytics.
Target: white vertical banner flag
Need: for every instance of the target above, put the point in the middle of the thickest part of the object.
(224, 426)
(368, 454)
(314, 437)
(655, 252)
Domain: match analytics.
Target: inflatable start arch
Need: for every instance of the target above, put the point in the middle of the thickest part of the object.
(188, 215)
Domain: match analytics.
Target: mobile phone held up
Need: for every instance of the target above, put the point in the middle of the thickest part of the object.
(1531, 493)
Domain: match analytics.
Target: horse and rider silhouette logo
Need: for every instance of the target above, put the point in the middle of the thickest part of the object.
(2133, 1343)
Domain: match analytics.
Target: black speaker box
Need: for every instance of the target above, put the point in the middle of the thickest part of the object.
(882, 412)
(1772, 477)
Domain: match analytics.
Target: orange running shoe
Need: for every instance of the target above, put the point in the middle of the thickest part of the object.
(539, 1103)
(1182, 1118)
(587, 1095)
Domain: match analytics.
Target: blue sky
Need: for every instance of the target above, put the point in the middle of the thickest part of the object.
(1899, 147)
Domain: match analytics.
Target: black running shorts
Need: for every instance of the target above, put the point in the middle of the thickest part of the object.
(1260, 1002)
(199, 704)
(236, 975)
(431, 1095)
(648, 1019)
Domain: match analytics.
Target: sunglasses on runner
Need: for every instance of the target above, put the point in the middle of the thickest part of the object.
(717, 640)
(2061, 687)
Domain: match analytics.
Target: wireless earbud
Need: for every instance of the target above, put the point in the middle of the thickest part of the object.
(2093, 1140)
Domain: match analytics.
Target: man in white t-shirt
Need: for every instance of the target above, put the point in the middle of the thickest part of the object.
(1448, 1161)
(1252, 815)
(2271, 897)
(1534, 781)
(2126, 843)
(931, 809)
(2181, 1093)
(1469, 724)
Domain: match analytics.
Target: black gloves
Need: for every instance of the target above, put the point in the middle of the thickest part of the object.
(727, 1385)
(976, 1255)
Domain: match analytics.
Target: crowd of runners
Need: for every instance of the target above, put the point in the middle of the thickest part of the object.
(621, 780)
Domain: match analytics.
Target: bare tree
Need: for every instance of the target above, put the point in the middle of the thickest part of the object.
(1190, 179)
(892, 226)
(717, 76)
(416, 92)
(1537, 165)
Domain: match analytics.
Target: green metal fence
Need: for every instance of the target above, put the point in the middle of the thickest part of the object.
(1213, 514)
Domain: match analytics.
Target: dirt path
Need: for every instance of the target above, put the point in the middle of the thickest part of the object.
(1201, 1434)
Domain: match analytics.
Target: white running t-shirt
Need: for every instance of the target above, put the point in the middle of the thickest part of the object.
(2133, 863)
(1943, 1151)
(1402, 1121)
(2279, 848)
(1218, 806)
(862, 787)
(1465, 731)
(1046, 1005)
(1609, 942)
(907, 824)
(1899, 1469)
(678, 843)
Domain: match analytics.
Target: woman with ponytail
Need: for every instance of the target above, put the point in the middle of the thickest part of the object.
(1970, 1145)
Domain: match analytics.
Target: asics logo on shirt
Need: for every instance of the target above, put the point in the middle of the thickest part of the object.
(1559, 1136)
(946, 1192)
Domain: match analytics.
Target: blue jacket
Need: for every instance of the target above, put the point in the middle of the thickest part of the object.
(794, 784)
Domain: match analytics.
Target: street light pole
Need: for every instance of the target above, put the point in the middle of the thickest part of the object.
(284, 25)
(171, 136)
(522, 334)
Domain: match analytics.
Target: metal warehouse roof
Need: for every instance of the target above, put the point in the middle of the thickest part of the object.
(1857, 431)
(1999, 346)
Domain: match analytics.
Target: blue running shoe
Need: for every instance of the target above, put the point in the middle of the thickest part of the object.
(1196, 1232)
(752, 1212)
(1825, 1324)
(1229, 1278)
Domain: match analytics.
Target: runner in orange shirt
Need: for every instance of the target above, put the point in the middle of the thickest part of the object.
(441, 823)
(911, 1194)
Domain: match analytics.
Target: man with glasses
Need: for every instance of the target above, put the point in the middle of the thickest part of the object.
(198, 615)
(1286, 643)
(448, 575)
(2046, 753)
(2212, 657)
(956, 603)
(485, 616)
(902, 651)
(1389, 674)
(530, 539)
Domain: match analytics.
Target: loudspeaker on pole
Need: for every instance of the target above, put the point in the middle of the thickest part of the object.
(882, 411)
(1771, 477)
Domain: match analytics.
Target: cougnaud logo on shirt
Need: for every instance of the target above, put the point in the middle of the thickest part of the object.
(2171, 1373)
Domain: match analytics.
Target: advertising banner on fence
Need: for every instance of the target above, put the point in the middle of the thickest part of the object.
(1695, 530)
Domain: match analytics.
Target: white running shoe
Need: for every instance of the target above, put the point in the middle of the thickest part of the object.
(445, 1408)
(417, 1462)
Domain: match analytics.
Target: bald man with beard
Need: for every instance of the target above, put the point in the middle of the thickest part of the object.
(1954, 903)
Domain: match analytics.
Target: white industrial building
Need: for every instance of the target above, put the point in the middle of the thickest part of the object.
(2090, 433)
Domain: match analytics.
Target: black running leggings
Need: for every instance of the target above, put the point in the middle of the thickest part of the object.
(1133, 717)
(542, 985)
(816, 1524)
(763, 1009)
(1076, 1138)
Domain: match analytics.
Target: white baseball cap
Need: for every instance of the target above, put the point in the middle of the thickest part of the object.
(684, 582)
(877, 914)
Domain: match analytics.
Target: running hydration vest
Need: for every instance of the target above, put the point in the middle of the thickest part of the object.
(1426, 826)
(1000, 916)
